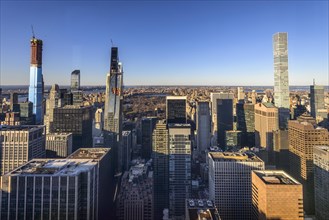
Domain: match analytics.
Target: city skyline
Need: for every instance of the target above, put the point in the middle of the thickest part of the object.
(221, 41)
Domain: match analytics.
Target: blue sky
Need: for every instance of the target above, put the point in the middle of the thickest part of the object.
(165, 42)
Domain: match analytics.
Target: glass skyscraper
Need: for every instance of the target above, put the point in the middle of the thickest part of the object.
(113, 107)
(36, 79)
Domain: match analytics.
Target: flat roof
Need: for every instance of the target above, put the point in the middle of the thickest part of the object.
(20, 127)
(202, 209)
(234, 156)
(178, 125)
(54, 167)
(89, 153)
(175, 97)
(268, 105)
(277, 177)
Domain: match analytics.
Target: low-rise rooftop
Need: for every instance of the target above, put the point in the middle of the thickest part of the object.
(20, 127)
(54, 167)
(202, 209)
(234, 156)
(89, 153)
(277, 177)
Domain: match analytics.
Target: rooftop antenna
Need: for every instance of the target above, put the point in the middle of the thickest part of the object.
(33, 35)
(112, 43)
(313, 82)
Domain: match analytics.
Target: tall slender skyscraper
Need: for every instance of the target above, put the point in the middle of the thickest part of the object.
(113, 104)
(160, 156)
(36, 79)
(281, 80)
(179, 168)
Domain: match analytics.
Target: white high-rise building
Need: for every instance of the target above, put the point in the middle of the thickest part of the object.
(281, 79)
(230, 183)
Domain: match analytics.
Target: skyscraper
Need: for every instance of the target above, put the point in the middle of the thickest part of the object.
(179, 168)
(75, 80)
(176, 109)
(203, 126)
(77, 93)
(303, 135)
(321, 181)
(135, 200)
(266, 121)
(76, 120)
(78, 187)
(148, 125)
(230, 183)
(224, 118)
(281, 80)
(114, 95)
(160, 156)
(36, 79)
(276, 195)
(58, 145)
(19, 144)
(317, 99)
(113, 106)
(245, 114)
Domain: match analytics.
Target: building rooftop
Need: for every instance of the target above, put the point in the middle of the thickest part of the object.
(54, 167)
(277, 177)
(176, 97)
(234, 156)
(125, 133)
(177, 125)
(268, 105)
(89, 153)
(20, 127)
(59, 134)
(201, 209)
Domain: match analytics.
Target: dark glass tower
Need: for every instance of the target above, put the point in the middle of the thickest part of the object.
(176, 109)
(224, 120)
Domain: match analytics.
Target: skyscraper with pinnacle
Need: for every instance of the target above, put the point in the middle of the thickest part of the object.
(281, 79)
(113, 104)
(36, 79)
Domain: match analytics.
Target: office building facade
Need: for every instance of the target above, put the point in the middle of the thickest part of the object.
(160, 156)
(76, 120)
(276, 195)
(176, 109)
(224, 118)
(135, 200)
(317, 99)
(147, 127)
(58, 145)
(179, 168)
(203, 126)
(72, 188)
(19, 144)
(266, 121)
(230, 183)
(304, 134)
(245, 114)
(321, 181)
